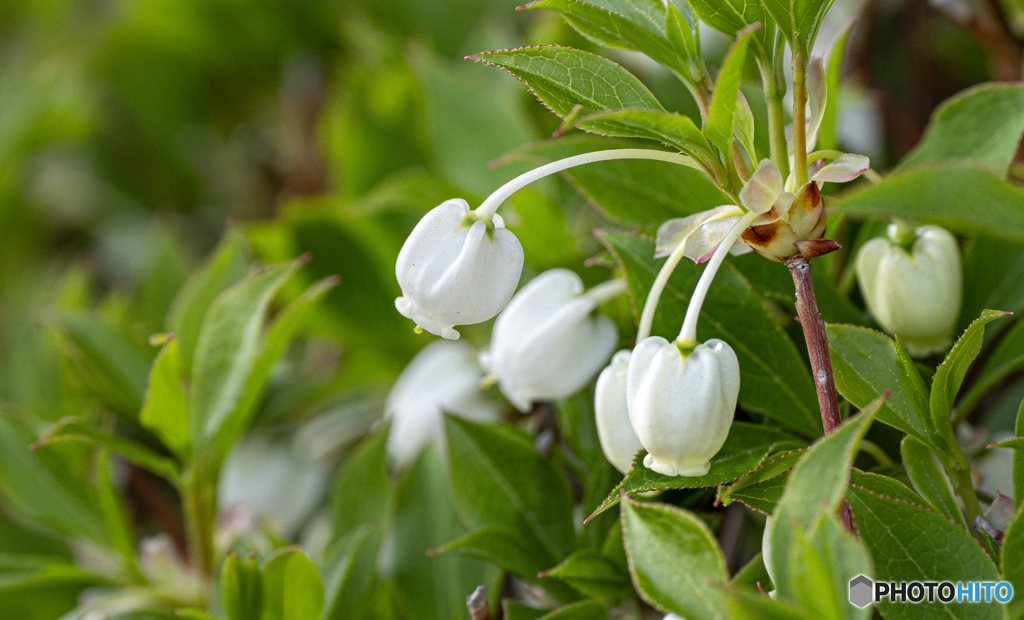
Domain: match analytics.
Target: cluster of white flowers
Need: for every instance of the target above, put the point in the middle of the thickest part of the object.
(674, 399)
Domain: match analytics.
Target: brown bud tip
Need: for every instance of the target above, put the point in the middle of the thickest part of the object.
(816, 247)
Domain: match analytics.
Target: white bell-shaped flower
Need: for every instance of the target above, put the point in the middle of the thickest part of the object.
(681, 404)
(455, 270)
(618, 441)
(915, 294)
(443, 378)
(547, 343)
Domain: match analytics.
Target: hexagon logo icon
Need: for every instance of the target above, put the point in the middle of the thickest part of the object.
(861, 589)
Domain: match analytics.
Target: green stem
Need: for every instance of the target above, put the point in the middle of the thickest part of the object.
(959, 472)
(799, 117)
(199, 505)
(776, 119)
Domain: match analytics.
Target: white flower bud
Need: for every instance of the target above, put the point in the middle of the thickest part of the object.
(916, 295)
(681, 405)
(454, 271)
(766, 551)
(547, 343)
(443, 378)
(618, 441)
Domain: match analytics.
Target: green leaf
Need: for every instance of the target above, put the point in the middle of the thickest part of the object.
(424, 517)
(362, 488)
(583, 610)
(564, 78)
(747, 447)
(518, 611)
(1007, 359)
(114, 366)
(276, 338)
(946, 195)
(42, 486)
(165, 408)
(292, 589)
(761, 487)
(798, 20)
(636, 25)
(594, 575)
(675, 130)
(985, 287)
(675, 560)
(930, 480)
(350, 576)
(72, 429)
(682, 28)
(884, 486)
(722, 112)
(747, 605)
(950, 374)
(1013, 568)
(502, 548)
(1018, 463)
(910, 543)
(866, 363)
(241, 588)
(226, 267)
(822, 565)
(631, 191)
(228, 348)
(774, 380)
(731, 16)
(983, 124)
(531, 499)
(815, 488)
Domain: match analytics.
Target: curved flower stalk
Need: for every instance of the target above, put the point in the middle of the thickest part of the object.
(548, 343)
(912, 283)
(461, 266)
(442, 378)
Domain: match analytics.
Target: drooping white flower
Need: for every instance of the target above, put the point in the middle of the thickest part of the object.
(443, 378)
(547, 343)
(915, 294)
(618, 441)
(268, 480)
(455, 269)
(681, 404)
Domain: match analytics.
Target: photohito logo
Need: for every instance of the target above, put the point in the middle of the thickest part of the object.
(864, 592)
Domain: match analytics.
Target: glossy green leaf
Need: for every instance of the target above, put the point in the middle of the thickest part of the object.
(754, 605)
(983, 124)
(229, 345)
(866, 363)
(884, 486)
(425, 516)
(946, 195)
(763, 496)
(822, 567)
(950, 374)
(909, 543)
(638, 25)
(631, 191)
(241, 588)
(1007, 359)
(745, 449)
(722, 112)
(1013, 568)
(594, 575)
(292, 589)
(165, 408)
(774, 380)
(761, 488)
(675, 560)
(583, 610)
(985, 287)
(815, 487)
(564, 78)
(72, 429)
(798, 20)
(682, 28)
(531, 499)
(930, 480)
(502, 548)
